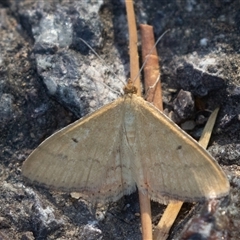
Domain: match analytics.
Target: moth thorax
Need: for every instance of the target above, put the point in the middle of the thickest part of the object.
(129, 125)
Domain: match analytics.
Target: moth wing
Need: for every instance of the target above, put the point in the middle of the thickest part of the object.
(85, 156)
(175, 166)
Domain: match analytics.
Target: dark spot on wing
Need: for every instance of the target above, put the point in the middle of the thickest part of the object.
(75, 140)
(179, 147)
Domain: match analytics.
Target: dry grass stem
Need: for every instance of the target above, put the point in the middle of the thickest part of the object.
(144, 201)
(161, 231)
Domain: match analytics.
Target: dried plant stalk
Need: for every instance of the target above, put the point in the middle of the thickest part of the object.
(144, 201)
(152, 81)
(133, 50)
(161, 231)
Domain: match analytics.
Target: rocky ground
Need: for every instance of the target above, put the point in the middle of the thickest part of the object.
(49, 78)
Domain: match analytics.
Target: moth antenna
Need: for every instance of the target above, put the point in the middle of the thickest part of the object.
(104, 65)
(152, 49)
(151, 87)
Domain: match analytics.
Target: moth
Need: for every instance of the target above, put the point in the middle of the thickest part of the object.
(126, 144)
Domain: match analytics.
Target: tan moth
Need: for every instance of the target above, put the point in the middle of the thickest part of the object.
(126, 144)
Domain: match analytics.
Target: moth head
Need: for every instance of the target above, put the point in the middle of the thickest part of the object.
(130, 88)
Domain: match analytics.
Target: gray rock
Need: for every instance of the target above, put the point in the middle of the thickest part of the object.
(183, 106)
(199, 78)
(6, 108)
(68, 75)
